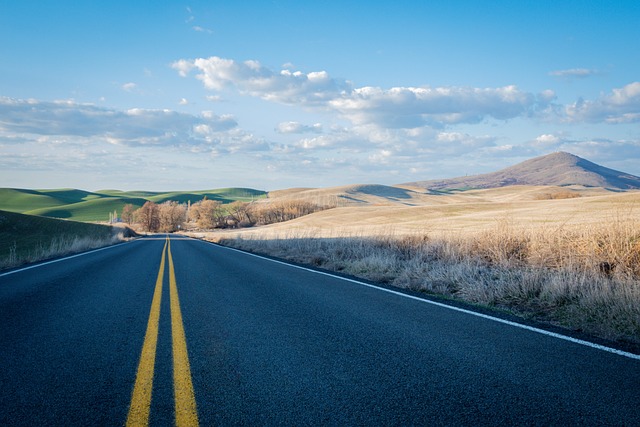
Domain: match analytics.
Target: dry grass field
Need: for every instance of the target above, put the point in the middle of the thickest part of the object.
(381, 210)
(565, 255)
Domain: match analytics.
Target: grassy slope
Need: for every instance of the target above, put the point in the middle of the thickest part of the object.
(21, 200)
(90, 210)
(95, 206)
(224, 195)
(28, 234)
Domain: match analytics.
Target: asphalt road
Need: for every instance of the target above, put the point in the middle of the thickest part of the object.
(271, 344)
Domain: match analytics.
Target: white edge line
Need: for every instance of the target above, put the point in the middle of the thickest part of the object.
(62, 259)
(450, 307)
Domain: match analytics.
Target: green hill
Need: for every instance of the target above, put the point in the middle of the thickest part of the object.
(27, 238)
(83, 205)
(21, 200)
(224, 195)
(90, 210)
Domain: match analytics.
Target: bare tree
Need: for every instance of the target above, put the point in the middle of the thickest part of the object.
(240, 214)
(208, 214)
(148, 216)
(171, 216)
(127, 213)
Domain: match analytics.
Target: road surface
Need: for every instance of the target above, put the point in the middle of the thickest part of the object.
(129, 333)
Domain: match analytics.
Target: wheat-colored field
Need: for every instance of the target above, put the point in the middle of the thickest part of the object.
(570, 256)
(381, 210)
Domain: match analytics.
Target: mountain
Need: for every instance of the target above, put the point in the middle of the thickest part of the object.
(559, 169)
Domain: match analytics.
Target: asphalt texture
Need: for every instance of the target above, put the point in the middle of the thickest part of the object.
(271, 344)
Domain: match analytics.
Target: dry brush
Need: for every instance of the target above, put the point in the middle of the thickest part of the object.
(582, 278)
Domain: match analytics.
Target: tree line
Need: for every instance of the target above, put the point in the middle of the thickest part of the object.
(171, 216)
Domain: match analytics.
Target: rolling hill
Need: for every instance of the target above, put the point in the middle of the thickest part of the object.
(556, 169)
(28, 238)
(82, 205)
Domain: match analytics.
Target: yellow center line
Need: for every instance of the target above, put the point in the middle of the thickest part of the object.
(184, 396)
(185, 401)
(141, 398)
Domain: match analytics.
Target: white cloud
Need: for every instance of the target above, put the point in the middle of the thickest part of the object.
(183, 101)
(622, 105)
(296, 127)
(250, 77)
(200, 29)
(129, 87)
(136, 127)
(398, 107)
(410, 107)
(465, 142)
(574, 73)
(547, 141)
(381, 157)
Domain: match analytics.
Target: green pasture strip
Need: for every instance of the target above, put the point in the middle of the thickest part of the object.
(92, 210)
(23, 200)
(71, 195)
(224, 195)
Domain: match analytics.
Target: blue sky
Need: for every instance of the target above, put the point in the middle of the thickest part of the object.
(277, 94)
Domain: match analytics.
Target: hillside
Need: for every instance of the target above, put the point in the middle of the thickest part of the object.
(96, 206)
(557, 169)
(28, 238)
(354, 195)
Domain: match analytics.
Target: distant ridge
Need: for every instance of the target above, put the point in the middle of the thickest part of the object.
(561, 169)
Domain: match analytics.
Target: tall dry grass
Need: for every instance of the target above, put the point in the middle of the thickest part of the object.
(58, 246)
(585, 278)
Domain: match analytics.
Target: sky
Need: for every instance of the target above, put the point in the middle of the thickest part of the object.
(189, 95)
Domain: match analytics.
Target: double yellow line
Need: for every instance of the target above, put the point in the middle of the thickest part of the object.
(185, 402)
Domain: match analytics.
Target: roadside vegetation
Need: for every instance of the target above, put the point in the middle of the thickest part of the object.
(207, 214)
(28, 238)
(584, 278)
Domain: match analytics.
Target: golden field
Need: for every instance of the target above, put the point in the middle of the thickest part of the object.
(373, 210)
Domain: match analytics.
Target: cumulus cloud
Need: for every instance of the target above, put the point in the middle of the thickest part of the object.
(410, 107)
(574, 73)
(251, 77)
(135, 127)
(297, 127)
(622, 105)
(397, 107)
(547, 140)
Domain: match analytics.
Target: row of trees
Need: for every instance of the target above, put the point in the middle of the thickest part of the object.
(208, 214)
